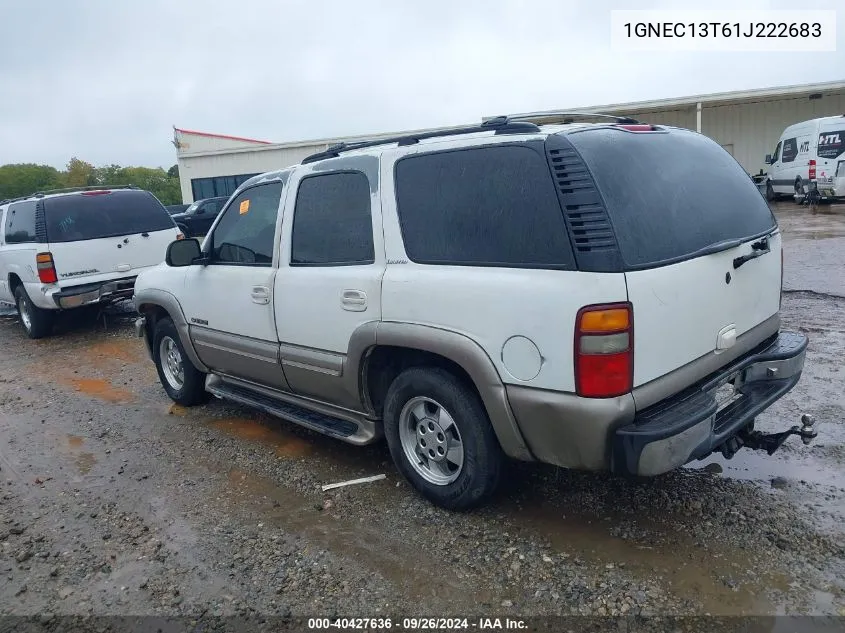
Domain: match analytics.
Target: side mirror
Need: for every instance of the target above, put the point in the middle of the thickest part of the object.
(768, 159)
(200, 211)
(183, 252)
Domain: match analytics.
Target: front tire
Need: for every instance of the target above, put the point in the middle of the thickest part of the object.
(184, 383)
(441, 439)
(37, 322)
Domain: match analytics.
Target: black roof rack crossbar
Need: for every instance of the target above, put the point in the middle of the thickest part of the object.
(569, 115)
(498, 125)
(48, 192)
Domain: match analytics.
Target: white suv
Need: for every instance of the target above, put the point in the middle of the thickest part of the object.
(65, 249)
(565, 294)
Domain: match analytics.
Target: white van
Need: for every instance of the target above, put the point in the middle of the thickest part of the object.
(810, 150)
(70, 248)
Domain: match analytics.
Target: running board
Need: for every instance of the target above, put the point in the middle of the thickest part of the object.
(328, 425)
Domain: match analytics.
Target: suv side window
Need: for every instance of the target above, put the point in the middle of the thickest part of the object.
(488, 206)
(776, 155)
(332, 221)
(20, 222)
(790, 150)
(245, 234)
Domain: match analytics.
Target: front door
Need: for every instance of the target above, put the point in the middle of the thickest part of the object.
(229, 301)
(329, 281)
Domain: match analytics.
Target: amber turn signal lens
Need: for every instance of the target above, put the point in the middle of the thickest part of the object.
(612, 320)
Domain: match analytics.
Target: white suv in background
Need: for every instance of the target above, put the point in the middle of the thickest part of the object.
(65, 249)
(565, 294)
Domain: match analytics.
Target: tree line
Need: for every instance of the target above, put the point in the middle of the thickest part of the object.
(22, 179)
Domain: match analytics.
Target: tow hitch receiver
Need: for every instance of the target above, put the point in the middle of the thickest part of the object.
(770, 442)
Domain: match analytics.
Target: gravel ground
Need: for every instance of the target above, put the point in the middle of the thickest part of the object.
(114, 502)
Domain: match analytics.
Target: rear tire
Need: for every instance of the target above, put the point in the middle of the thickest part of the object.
(184, 383)
(800, 191)
(771, 196)
(37, 322)
(441, 439)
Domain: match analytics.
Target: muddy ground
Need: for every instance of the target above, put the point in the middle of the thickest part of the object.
(112, 501)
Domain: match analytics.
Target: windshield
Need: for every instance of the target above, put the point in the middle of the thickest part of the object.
(104, 214)
(192, 208)
(671, 195)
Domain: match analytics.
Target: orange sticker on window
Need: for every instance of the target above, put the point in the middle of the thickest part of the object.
(244, 206)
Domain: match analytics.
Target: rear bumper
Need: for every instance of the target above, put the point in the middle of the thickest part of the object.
(691, 424)
(86, 294)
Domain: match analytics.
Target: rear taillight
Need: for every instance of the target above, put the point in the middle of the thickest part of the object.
(812, 170)
(46, 268)
(604, 350)
(180, 236)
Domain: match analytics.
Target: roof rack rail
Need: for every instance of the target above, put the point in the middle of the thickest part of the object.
(499, 125)
(566, 114)
(47, 192)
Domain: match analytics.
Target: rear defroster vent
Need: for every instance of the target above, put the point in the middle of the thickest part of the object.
(589, 226)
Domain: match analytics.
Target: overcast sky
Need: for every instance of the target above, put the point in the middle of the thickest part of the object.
(106, 80)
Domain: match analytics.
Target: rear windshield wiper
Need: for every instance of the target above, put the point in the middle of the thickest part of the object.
(717, 247)
(760, 247)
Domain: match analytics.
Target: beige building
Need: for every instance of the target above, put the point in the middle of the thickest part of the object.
(747, 124)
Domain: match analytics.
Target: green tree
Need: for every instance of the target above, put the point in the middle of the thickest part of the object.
(25, 178)
(79, 173)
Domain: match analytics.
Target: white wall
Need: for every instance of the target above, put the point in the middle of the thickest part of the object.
(749, 130)
(754, 128)
(252, 161)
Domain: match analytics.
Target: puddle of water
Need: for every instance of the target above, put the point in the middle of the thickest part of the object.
(177, 410)
(705, 575)
(285, 444)
(363, 541)
(756, 466)
(99, 388)
(116, 349)
(84, 462)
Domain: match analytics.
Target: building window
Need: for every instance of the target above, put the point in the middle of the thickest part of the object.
(218, 186)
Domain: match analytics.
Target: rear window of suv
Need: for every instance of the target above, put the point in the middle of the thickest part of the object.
(95, 215)
(671, 194)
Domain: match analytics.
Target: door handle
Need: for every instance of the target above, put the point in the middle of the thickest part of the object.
(260, 294)
(354, 300)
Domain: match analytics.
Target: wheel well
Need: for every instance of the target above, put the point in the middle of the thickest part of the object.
(14, 282)
(384, 363)
(153, 313)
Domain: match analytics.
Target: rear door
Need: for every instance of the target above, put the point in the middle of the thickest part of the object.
(98, 235)
(831, 153)
(329, 283)
(683, 211)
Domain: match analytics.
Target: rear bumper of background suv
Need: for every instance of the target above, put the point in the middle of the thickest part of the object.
(111, 290)
(692, 424)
